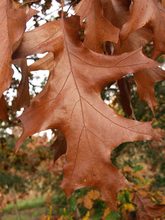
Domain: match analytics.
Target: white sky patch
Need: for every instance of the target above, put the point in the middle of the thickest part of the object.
(38, 76)
(50, 15)
(48, 133)
(162, 66)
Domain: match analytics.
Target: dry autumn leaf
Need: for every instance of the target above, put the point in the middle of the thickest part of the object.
(13, 23)
(145, 81)
(152, 13)
(97, 28)
(71, 102)
(136, 38)
(46, 38)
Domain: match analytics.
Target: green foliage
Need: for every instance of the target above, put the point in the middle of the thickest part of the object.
(113, 216)
(9, 181)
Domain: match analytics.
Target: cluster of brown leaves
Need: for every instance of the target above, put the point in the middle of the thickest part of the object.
(79, 69)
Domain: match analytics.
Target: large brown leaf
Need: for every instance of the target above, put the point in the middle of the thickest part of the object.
(151, 12)
(71, 102)
(12, 27)
(97, 28)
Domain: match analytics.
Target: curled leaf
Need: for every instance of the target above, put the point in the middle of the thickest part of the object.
(152, 13)
(97, 28)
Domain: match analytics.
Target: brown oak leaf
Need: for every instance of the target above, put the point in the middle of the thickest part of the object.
(13, 24)
(112, 9)
(151, 12)
(46, 38)
(71, 102)
(145, 80)
(97, 28)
